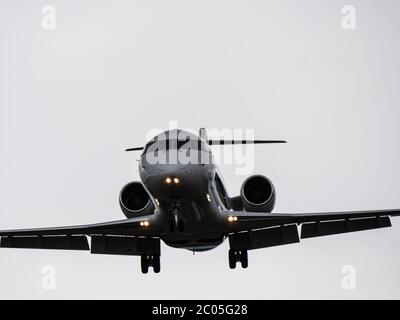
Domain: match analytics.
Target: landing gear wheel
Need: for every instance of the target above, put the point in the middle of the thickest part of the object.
(153, 261)
(156, 264)
(244, 260)
(144, 263)
(238, 256)
(232, 259)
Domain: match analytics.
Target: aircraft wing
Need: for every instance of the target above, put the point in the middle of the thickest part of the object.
(115, 237)
(258, 230)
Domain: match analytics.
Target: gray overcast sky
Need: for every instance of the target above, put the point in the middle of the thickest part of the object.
(71, 99)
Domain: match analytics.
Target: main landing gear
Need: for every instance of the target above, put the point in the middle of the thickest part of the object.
(149, 249)
(150, 261)
(238, 256)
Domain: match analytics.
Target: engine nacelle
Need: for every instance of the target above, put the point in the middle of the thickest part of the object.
(135, 201)
(258, 194)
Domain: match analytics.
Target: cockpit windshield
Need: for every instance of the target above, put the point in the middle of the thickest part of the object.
(166, 141)
(165, 145)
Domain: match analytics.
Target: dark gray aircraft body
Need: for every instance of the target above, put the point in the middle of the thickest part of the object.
(182, 201)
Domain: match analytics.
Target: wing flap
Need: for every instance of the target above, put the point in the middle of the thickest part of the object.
(264, 238)
(124, 245)
(46, 242)
(114, 237)
(317, 229)
(253, 230)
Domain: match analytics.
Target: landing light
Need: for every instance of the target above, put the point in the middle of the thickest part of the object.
(232, 218)
(144, 223)
(176, 180)
(208, 198)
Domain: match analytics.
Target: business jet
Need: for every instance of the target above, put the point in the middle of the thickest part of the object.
(182, 201)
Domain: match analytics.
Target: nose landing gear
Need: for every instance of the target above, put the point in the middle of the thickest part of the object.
(176, 222)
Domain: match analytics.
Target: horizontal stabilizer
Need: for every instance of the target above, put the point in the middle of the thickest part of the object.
(135, 149)
(227, 142)
(316, 229)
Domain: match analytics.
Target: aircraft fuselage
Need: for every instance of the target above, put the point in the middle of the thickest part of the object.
(185, 196)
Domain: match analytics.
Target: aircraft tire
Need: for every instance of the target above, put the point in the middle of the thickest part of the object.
(156, 264)
(144, 263)
(244, 260)
(232, 259)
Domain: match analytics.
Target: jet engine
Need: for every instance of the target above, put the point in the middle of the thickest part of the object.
(258, 194)
(135, 201)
